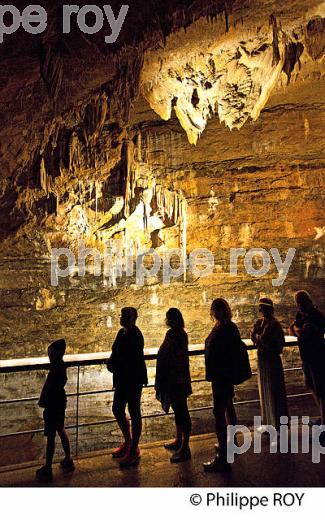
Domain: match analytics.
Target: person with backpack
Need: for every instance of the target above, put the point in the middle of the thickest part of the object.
(224, 353)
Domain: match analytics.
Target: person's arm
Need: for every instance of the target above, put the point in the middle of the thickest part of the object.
(111, 362)
(143, 362)
(136, 354)
(297, 326)
(255, 337)
(162, 366)
(210, 348)
(292, 329)
(47, 390)
(295, 330)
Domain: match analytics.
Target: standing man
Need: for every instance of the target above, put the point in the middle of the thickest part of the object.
(129, 376)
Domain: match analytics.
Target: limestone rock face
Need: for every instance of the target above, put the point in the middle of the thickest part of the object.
(96, 145)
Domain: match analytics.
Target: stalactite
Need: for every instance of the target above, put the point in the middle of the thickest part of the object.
(276, 50)
(183, 233)
(98, 194)
(94, 119)
(293, 52)
(91, 189)
(52, 71)
(75, 155)
(43, 176)
(131, 176)
(170, 204)
(125, 87)
(45, 180)
(139, 147)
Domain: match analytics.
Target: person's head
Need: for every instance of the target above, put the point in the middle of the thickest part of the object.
(303, 301)
(56, 350)
(129, 316)
(266, 307)
(174, 319)
(220, 311)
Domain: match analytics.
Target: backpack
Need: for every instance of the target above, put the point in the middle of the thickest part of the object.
(241, 369)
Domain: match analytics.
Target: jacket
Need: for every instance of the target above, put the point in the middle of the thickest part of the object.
(173, 368)
(221, 351)
(53, 393)
(127, 361)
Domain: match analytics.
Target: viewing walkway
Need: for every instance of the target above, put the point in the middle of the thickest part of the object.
(155, 470)
(97, 469)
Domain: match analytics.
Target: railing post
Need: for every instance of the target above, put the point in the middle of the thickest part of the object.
(77, 412)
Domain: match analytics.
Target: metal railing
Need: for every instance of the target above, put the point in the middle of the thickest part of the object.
(88, 360)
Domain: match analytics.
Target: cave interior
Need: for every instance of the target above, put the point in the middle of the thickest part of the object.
(202, 127)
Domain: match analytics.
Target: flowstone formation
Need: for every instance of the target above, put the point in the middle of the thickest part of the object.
(230, 72)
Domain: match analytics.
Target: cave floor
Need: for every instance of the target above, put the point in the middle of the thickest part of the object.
(250, 470)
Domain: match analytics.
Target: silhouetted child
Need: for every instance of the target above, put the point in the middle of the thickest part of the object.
(53, 399)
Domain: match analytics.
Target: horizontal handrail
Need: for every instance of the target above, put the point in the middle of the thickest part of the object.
(93, 359)
(111, 390)
(100, 358)
(149, 416)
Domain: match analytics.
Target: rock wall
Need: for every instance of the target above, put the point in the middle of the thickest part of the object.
(95, 162)
(260, 187)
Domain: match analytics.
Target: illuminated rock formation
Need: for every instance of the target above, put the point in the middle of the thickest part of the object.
(93, 147)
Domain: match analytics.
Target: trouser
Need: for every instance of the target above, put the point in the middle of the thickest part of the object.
(130, 396)
(182, 415)
(224, 412)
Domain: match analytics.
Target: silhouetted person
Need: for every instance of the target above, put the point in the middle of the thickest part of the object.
(269, 339)
(53, 400)
(220, 352)
(309, 327)
(173, 382)
(129, 375)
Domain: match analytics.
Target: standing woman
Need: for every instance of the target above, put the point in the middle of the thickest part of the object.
(173, 382)
(221, 348)
(269, 339)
